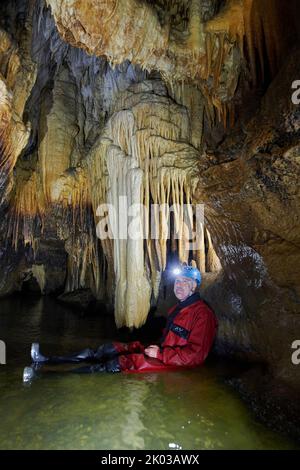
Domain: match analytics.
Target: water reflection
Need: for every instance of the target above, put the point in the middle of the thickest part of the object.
(186, 409)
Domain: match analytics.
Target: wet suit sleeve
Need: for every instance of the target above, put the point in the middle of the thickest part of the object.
(198, 346)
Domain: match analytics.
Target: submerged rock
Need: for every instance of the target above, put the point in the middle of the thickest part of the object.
(81, 299)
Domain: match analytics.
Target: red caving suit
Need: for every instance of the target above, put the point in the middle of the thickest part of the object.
(187, 339)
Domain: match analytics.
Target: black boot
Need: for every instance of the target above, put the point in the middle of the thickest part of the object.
(31, 373)
(111, 366)
(36, 356)
(84, 355)
(28, 374)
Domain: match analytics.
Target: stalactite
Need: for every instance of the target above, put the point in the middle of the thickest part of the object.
(73, 204)
(196, 36)
(144, 154)
(15, 85)
(149, 147)
(209, 51)
(199, 253)
(9, 59)
(190, 55)
(231, 115)
(25, 207)
(150, 36)
(261, 31)
(13, 138)
(213, 262)
(26, 212)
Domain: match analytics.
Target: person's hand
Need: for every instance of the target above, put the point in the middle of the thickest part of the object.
(152, 351)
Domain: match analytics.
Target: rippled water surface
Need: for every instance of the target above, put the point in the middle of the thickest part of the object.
(188, 409)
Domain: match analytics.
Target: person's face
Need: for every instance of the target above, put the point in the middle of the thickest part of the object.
(184, 287)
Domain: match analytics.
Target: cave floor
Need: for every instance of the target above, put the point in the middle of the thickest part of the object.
(159, 411)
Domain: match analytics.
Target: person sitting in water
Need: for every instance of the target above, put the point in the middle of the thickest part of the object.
(187, 338)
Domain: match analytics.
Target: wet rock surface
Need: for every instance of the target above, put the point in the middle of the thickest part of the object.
(274, 403)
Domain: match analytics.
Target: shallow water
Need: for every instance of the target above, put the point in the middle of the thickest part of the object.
(189, 409)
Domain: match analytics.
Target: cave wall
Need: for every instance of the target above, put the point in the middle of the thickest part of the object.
(257, 188)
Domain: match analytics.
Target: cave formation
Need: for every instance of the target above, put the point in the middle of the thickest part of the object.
(163, 102)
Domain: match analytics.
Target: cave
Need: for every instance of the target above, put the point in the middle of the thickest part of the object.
(107, 106)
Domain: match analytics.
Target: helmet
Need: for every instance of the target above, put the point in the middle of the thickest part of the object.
(188, 271)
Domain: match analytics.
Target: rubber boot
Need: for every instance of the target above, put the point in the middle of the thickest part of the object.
(103, 353)
(81, 356)
(111, 366)
(28, 375)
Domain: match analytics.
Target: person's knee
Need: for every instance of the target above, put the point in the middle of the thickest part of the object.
(106, 350)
